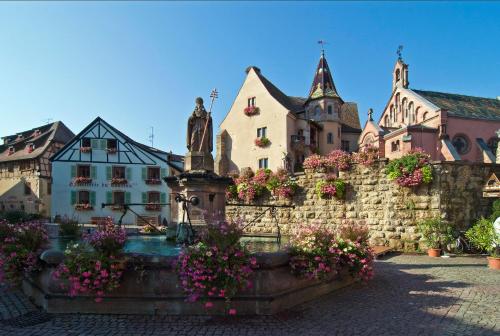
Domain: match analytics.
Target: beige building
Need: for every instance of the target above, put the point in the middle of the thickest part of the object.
(25, 170)
(265, 128)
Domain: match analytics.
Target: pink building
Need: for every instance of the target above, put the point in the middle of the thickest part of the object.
(450, 127)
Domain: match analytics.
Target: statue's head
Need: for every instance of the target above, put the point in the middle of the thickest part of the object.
(199, 101)
(199, 110)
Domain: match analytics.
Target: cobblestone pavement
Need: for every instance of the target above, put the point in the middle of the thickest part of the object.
(410, 295)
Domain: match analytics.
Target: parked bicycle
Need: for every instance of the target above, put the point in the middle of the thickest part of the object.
(462, 244)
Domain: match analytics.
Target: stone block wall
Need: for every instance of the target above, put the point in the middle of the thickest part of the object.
(391, 212)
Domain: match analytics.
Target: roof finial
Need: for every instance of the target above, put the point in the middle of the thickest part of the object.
(322, 42)
(370, 114)
(399, 52)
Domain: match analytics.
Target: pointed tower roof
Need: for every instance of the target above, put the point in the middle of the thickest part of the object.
(323, 85)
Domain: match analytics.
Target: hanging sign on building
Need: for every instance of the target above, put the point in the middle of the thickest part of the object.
(492, 187)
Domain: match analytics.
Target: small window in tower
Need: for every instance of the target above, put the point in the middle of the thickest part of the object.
(398, 75)
(263, 163)
(329, 138)
(317, 111)
(330, 109)
(251, 101)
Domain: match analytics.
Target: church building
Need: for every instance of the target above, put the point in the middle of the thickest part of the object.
(450, 127)
(103, 165)
(265, 128)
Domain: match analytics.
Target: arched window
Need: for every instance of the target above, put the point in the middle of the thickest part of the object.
(398, 75)
(411, 108)
(404, 109)
(461, 143)
(329, 138)
(417, 111)
(317, 111)
(386, 121)
(424, 117)
(391, 113)
(330, 109)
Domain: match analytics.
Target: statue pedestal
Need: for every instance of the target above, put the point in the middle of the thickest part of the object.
(208, 187)
(199, 161)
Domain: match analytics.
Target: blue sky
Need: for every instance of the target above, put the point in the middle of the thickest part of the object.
(139, 65)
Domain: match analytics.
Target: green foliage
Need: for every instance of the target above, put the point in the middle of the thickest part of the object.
(435, 232)
(69, 228)
(426, 174)
(495, 210)
(483, 236)
(17, 216)
(411, 169)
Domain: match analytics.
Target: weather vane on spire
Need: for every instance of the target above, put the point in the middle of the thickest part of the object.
(322, 42)
(399, 52)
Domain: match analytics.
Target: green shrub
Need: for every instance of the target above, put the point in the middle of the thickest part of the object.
(435, 232)
(69, 228)
(495, 210)
(483, 236)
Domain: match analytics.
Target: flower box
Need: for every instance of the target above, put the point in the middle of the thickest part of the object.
(82, 180)
(251, 110)
(85, 149)
(153, 181)
(153, 207)
(84, 207)
(117, 208)
(118, 181)
(111, 150)
(262, 142)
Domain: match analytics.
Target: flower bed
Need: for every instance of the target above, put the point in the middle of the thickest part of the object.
(82, 180)
(217, 267)
(262, 142)
(411, 170)
(94, 266)
(336, 159)
(366, 156)
(21, 245)
(331, 187)
(317, 252)
(85, 149)
(251, 110)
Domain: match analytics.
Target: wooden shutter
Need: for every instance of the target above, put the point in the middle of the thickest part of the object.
(93, 172)
(127, 197)
(163, 172)
(73, 197)
(128, 173)
(109, 171)
(144, 197)
(163, 197)
(144, 173)
(92, 198)
(109, 197)
(73, 171)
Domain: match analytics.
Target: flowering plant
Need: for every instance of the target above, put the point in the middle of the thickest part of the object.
(21, 244)
(251, 185)
(411, 169)
(281, 184)
(83, 206)
(108, 238)
(314, 162)
(88, 272)
(153, 207)
(357, 256)
(366, 156)
(251, 110)
(262, 142)
(82, 180)
(331, 187)
(119, 180)
(217, 267)
(153, 181)
(338, 159)
(85, 149)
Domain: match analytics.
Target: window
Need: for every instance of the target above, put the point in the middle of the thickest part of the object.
(27, 188)
(345, 145)
(262, 132)
(386, 121)
(11, 150)
(112, 144)
(118, 197)
(425, 116)
(317, 111)
(86, 142)
(395, 146)
(153, 197)
(251, 101)
(398, 75)
(49, 188)
(10, 167)
(25, 165)
(329, 138)
(83, 171)
(83, 197)
(493, 144)
(263, 163)
(461, 143)
(330, 109)
(153, 173)
(118, 172)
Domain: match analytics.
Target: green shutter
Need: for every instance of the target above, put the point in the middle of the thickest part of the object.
(144, 173)
(109, 197)
(144, 197)
(128, 173)
(93, 172)
(109, 171)
(127, 197)
(92, 198)
(163, 172)
(163, 197)
(73, 171)
(73, 197)
(94, 143)
(104, 143)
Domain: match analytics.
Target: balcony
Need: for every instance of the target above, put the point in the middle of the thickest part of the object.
(298, 142)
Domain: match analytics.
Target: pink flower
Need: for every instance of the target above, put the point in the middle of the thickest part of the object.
(209, 304)
(232, 311)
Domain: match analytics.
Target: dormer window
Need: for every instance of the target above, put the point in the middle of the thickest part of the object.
(31, 147)
(11, 150)
(19, 137)
(37, 133)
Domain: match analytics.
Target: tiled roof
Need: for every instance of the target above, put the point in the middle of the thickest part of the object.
(41, 137)
(349, 115)
(323, 85)
(464, 106)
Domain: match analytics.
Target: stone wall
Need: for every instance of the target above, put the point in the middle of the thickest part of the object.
(391, 212)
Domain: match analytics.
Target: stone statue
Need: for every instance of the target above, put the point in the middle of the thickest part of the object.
(199, 132)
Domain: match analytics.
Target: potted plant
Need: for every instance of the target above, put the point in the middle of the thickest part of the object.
(483, 236)
(436, 233)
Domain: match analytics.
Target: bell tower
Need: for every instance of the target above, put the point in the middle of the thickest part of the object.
(400, 72)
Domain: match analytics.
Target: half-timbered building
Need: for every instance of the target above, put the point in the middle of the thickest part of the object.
(25, 172)
(103, 165)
